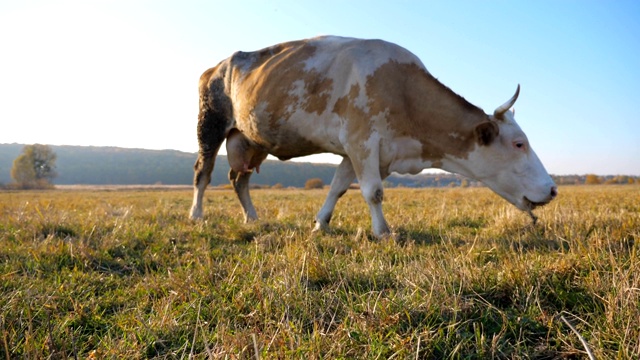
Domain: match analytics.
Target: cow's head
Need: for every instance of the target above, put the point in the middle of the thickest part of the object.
(505, 161)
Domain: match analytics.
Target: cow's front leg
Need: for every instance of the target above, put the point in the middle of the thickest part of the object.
(240, 182)
(343, 177)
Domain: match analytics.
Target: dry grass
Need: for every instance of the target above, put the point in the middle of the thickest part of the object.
(124, 274)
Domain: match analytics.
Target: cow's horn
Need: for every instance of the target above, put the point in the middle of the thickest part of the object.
(499, 113)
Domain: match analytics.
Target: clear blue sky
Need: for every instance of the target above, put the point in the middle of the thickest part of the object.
(124, 72)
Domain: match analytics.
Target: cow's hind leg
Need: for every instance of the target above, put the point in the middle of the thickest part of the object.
(343, 177)
(367, 170)
(240, 182)
(212, 122)
(203, 169)
(373, 194)
(244, 156)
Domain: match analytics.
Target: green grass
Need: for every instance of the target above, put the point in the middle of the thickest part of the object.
(125, 274)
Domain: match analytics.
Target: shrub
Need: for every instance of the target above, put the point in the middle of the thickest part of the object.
(315, 183)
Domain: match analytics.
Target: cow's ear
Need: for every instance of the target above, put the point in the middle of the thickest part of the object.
(486, 132)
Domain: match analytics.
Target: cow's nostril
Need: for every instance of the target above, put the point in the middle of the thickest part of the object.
(554, 192)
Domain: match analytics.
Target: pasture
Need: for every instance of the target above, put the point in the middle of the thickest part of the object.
(125, 274)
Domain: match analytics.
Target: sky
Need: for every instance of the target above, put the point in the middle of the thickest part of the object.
(125, 72)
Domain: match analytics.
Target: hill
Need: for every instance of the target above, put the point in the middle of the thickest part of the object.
(121, 166)
(91, 165)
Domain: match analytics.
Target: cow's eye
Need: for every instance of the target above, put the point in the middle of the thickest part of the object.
(520, 145)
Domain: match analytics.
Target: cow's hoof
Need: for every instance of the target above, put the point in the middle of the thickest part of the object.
(250, 219)
(321, 226)
(387, 236)
(195, 214)
(392, 236)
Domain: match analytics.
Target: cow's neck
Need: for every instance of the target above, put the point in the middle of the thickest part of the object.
(446, 121)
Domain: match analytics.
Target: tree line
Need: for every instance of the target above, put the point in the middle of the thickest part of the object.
(40, 166)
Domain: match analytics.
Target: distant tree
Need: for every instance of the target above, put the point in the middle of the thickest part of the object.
(23, 172)
(34, 167)
(592, 179)
(619, 179)
(315, 183)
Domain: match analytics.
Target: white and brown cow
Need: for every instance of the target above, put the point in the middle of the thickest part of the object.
(370, 101)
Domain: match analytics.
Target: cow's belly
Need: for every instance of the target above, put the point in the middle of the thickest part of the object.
(302, 135)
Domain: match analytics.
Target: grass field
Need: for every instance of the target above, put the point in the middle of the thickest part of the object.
(125, 274)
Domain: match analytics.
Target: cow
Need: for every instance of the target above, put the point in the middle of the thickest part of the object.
(370, 101)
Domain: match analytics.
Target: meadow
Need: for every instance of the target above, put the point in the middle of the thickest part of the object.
(125, 274)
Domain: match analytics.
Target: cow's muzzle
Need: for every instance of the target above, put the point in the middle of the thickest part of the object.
(530, 204)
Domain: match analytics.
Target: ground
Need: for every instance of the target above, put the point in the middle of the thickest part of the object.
(125, 274)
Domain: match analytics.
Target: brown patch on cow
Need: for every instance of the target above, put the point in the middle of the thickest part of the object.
(378, 196)
(346, 104)
(277, 75)
(419, 106)
(274, 85)
(318, 90)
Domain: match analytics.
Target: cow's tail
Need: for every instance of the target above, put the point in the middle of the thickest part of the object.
(213, 118)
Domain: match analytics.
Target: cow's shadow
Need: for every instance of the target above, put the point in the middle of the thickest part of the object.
(251, 232)
(401, 235)
(404, 236)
